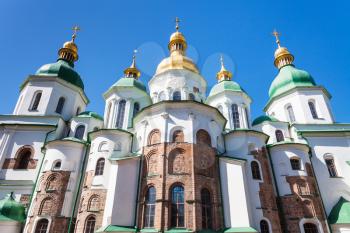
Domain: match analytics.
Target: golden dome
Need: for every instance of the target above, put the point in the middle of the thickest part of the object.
(177, 38)
(282, 56)
(132, 71)
(69, 51)
(71, 45)
(223, 74)
(280, 51)
(176, 61)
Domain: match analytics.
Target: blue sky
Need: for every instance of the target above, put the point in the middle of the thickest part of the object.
(316, 32)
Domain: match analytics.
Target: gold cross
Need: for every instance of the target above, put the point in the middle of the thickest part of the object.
(134, 54)
(177, 21)
(75, 29)
(276, 34)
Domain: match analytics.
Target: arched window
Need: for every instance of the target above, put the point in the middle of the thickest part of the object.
(177, 95)
(56, 165)
(50, 183)
(331, 167)
(90, 224)
(290, 112)
(203, 137)
(35, 101)
(295, 163)
(23, 158)
(121, 113)
(78, 111)
(191, 96)
(279, 135)
(79, 132)
(178, 136)
(264, 227)
(177, 207)
(60, 105)
(150, 207)
(100, 165)
(235, 116)
(154, 137)
(136, 108)
(206, 209)
(42, 225)
(255, 170)
(103, 147)
(46, 207)
(93, 204)
(313, 110)
(310, 228)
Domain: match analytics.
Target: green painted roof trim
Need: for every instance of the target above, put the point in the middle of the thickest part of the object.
(348, 162)
(62, 69)
(149, 230)
(116, 157)
(340, 213)
(246, 131)
(70, 139)
(16, 183)
(264, 118)
(239, 230)
(286, 143)
(90, 114)
(178, 230)
(11, 209)
(115, 228)
(231, 157)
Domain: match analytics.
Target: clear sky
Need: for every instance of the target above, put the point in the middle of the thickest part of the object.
(316, 32)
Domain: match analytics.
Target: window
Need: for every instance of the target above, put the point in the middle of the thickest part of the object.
(50, 183)
(56, 165)
(295, 163)
(41, 226)
(93, 204)
(23, 158)
(136, 108)
(79, 132)
(100, 167)
(103, 147)
(255, 170)
(150, 207)
(203, 137)
(154, 137)
(279, 135)
(78, 111)
(310, 228)
(178, 136)
(121, 113)
(35, 101)
(191, 96)
(290, 113)
(177, 95)
(45, 207)
(90, 224)
(246, 115)
(264, 227)
(206, 209)
(60, 105)
(235, 116)
(313, 110)
(177, 207)
(331, 167)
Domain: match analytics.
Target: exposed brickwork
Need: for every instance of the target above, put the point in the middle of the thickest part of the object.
(49, 200)
(194, 167)
(92, 202)
(267, 195)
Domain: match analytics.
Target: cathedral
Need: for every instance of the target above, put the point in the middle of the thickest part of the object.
(169, 158)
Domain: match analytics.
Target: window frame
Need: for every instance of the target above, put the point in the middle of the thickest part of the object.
(119, 123)
(100, 167)
(255, 170)
(60, 105)
(34, 104)
(313, 110)
(293, 164)
(236, 121)
(279, 135)
(177, 204)
(149, 207)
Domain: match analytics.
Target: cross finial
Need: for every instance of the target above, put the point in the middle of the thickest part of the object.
(277, 34)
(177, 21)
(134, 54)
(221, 60)
(75, 29)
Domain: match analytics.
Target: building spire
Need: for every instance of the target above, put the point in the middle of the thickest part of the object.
(223, 74)
(132, 71)
(177, 43)
(282, 56)
(69, 51)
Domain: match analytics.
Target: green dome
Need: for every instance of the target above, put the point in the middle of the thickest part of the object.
(90, 114)
(130, 82)
(264, 118)
(225, 85)
(11, 209)
(340, 213)
(63, 70)
(288, 78)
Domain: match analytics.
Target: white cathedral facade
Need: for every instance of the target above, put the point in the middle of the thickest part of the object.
(172, 159)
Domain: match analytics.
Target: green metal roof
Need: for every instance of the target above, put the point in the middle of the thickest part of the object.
(90, 114)
(63, 70)
(340, 213)
(130, 82)
(11, 209)
(225, 85)
(115, 228)
(264, 118)
(239, 230)
(289, 77)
